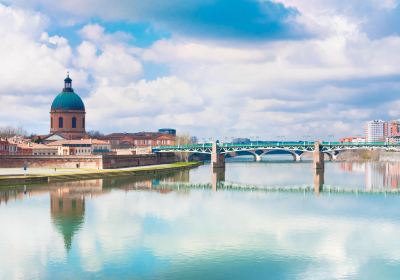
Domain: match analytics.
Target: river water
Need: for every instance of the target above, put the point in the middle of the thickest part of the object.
(179, 226)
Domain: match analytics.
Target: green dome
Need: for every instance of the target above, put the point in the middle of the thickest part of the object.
(68, 101)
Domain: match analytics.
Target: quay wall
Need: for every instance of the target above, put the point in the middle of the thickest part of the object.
(93, 162)
(121, 161)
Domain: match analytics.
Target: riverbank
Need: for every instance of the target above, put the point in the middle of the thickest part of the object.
(87, 174)
(369, 155)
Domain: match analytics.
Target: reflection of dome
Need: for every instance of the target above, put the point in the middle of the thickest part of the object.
(68, 226)
(68, 215)
(68, 101)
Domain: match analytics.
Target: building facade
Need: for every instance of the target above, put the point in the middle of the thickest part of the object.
(139, 140)
(67, 114)
(6, 147)
(376, 131)
(82, 147)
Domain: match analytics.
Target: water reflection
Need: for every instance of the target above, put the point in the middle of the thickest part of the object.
(139, 228)
(218, 177)
(376, 174)
(67, 205)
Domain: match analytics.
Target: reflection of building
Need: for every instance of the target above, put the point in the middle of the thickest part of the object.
(68, 213)
(67, 205)
(377, 174)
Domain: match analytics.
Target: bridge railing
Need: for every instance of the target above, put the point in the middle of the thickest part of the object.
(274, 144)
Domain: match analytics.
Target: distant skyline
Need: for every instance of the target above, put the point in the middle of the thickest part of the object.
(211, 68)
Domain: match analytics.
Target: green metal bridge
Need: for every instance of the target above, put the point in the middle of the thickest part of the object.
(332, 149)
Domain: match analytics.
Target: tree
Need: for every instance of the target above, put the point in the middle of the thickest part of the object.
(184, 139)
(95, 133)
(9, 131)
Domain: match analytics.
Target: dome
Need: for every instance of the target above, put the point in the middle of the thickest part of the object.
(68, 101)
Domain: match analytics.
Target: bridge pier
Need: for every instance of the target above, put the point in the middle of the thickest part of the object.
(217, 159)
(318, 157)
(258, 157)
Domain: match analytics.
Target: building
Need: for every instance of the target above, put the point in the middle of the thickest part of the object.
(170, 131)
(139, 140)
(67, 114)
(6, 147)
(393, 139)
(33, 149)
(393, 128)
(376, 131)
(351, 139)
(83, 147)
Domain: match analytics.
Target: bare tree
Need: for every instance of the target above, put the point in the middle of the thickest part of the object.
(95, 133)
(9, 131)
(183, 139)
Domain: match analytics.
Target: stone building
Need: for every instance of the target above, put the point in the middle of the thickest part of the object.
(67, 114)
(83, 147)
(139, 140)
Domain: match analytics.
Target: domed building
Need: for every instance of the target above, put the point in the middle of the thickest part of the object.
(67, 114)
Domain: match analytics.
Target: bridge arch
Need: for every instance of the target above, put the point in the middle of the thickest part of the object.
(296, 156)
(258, 154)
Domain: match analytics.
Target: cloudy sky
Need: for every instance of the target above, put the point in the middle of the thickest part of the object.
(288, 69)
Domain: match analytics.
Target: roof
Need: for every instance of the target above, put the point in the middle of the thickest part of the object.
(68, 100)
(54, 137)
(34, 146)
(139, 135)
(77, 142)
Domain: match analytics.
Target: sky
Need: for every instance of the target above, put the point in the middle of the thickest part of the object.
(283, 69)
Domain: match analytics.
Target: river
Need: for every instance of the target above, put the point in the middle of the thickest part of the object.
(177, 226)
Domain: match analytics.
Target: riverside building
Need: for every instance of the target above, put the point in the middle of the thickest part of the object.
(376, 131)
(67, 114)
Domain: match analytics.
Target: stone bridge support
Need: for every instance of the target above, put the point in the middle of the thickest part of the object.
(318, 157)
(217, 159)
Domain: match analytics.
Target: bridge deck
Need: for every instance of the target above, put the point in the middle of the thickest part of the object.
(301, 146)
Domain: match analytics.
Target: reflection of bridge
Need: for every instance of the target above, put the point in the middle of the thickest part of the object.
(302, 188)
(219, 151)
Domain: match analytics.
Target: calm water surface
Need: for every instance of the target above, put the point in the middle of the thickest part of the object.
(145, 228)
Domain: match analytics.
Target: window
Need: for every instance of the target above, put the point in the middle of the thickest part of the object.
(51, 122)
(73, 122)
(83, 123)
(60, 122)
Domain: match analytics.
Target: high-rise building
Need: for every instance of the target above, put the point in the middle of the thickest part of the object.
(376, 131)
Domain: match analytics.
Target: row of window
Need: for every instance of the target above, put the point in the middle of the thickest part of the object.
(61, 122)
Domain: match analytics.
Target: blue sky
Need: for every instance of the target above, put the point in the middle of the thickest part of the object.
(211, 68)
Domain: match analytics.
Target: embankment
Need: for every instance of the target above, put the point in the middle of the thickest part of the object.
(94, 174)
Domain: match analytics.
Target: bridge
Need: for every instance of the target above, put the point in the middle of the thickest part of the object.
(219, 151)
(260, 148)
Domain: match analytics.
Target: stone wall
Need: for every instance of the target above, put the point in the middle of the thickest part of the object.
(121, 161)
(14, 161)
(97, 162)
